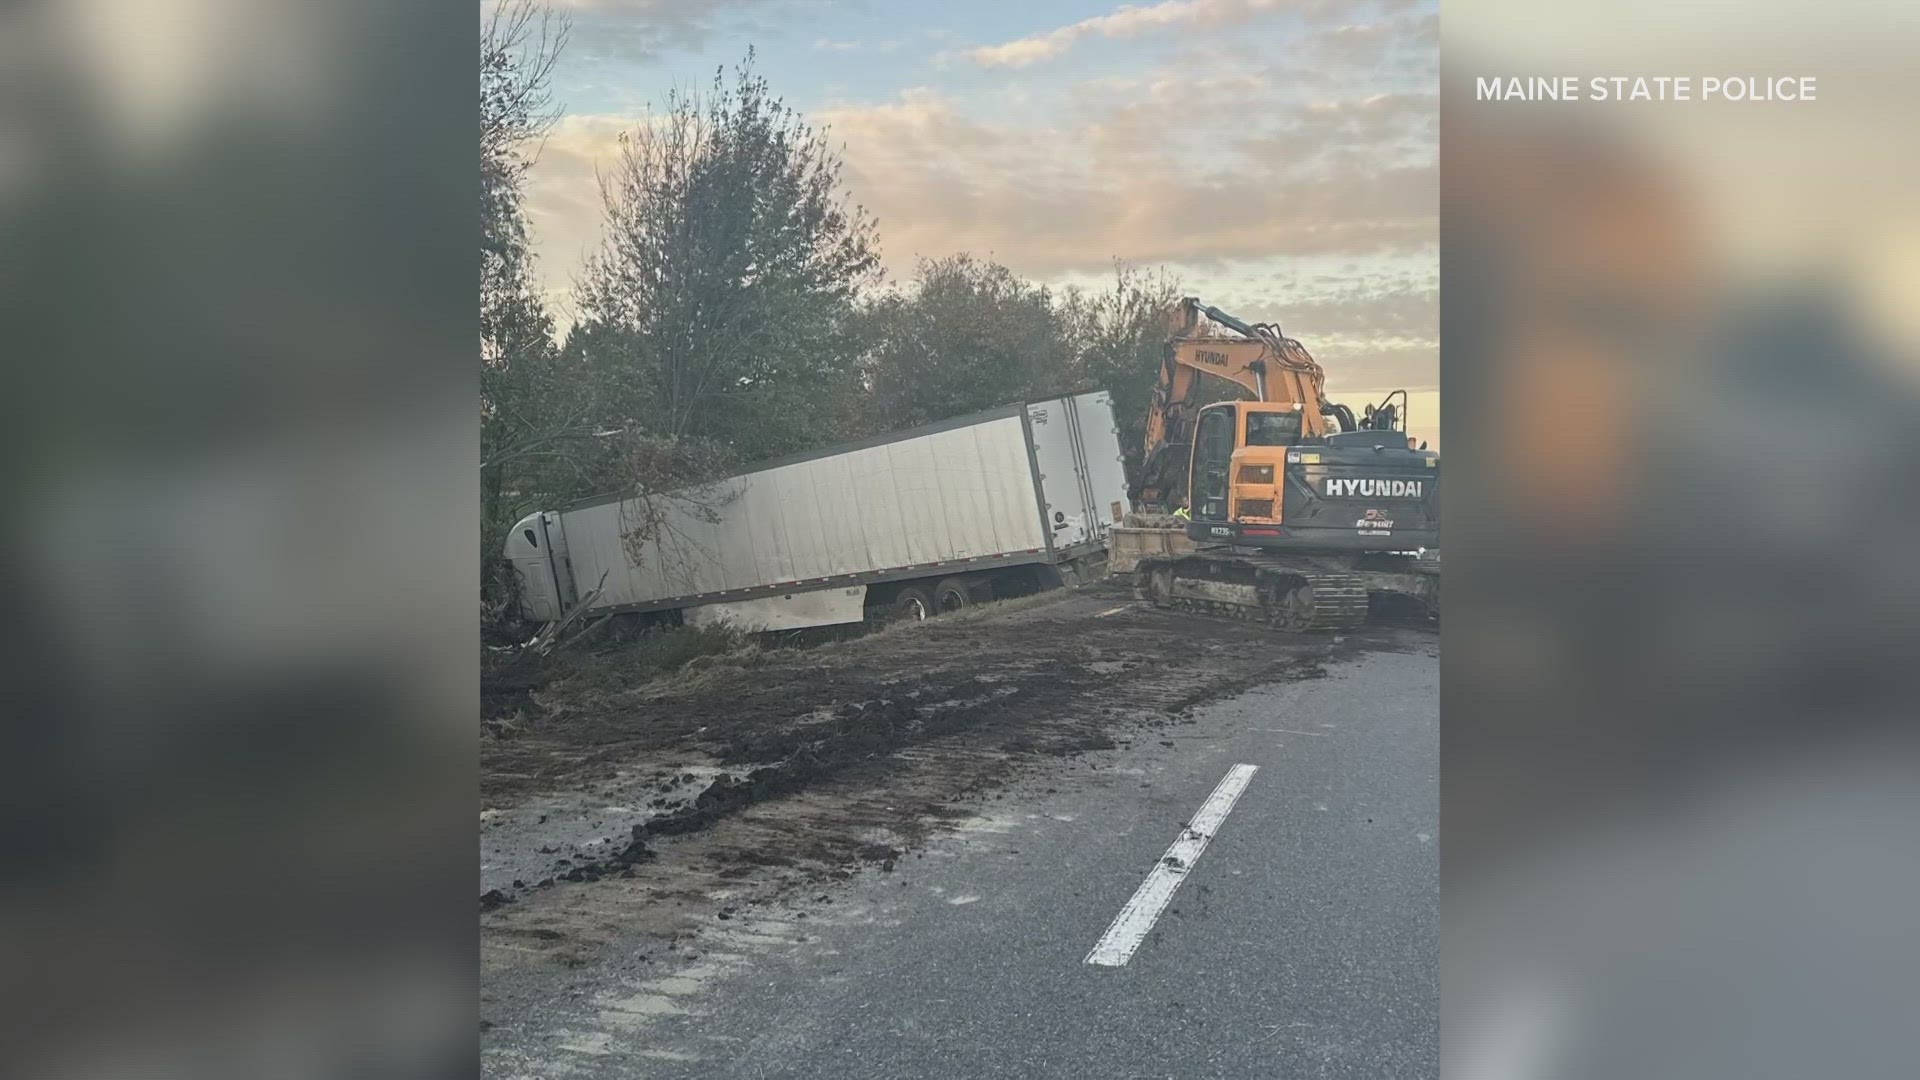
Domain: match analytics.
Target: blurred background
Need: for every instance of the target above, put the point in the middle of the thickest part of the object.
(1679, 354)
(239, 754)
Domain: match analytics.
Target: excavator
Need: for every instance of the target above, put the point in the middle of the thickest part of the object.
(1303, 515)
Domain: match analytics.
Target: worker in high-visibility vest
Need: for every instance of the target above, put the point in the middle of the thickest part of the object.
(1182, 514)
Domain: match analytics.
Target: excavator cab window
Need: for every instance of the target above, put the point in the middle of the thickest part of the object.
(1273, 428)
(1212, 458)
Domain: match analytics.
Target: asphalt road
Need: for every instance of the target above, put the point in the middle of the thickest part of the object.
(1301, 943)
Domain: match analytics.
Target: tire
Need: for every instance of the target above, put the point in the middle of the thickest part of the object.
(951, 595)
(912, 604)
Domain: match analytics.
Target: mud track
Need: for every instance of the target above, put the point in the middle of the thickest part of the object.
(659, 807)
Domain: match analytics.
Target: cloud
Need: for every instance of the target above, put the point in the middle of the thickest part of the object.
(1316, 207)
(1321, 180)
(1407, 310)
(662, 12)
(1361, 368)
(647, 30)
(1372, 323)
(1298, 186)
(1140, 181)
(1131, 21)
(1344, 261)
(883, 46)
(563, 199)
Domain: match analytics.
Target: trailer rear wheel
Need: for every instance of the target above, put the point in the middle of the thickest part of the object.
(951, 595)
(912, 605)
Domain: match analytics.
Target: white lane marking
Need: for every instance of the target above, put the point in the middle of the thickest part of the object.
(1130, 927)
(1111, 611)
(1290, 731)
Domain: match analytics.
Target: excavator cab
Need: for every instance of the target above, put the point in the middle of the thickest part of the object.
(1212, 462)
(1259, 478)
(1273, 428)
(1239, 458)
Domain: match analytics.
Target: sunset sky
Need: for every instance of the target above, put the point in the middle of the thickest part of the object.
(1279, 156)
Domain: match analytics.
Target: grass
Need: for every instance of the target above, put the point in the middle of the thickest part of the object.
(625, 662)
(986, 610)
(636, 657)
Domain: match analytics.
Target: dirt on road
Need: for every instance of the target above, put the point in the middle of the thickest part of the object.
(640, 814)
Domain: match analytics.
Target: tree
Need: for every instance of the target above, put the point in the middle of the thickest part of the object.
(969, 335)
(1120, 336)
(719, 308)
(528, 410)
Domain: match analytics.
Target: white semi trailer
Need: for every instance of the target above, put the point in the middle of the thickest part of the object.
(902, 526)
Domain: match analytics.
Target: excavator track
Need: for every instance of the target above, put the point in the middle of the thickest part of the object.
(1324, 600)
(1285, 597)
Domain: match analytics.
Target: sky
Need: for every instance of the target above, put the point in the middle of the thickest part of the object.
(1279, 157)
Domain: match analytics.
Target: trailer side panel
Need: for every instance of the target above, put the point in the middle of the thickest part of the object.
(951, 497)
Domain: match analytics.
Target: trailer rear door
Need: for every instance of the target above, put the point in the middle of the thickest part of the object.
(1082, 478)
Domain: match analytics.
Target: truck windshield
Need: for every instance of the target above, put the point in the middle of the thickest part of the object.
(1273, 428)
